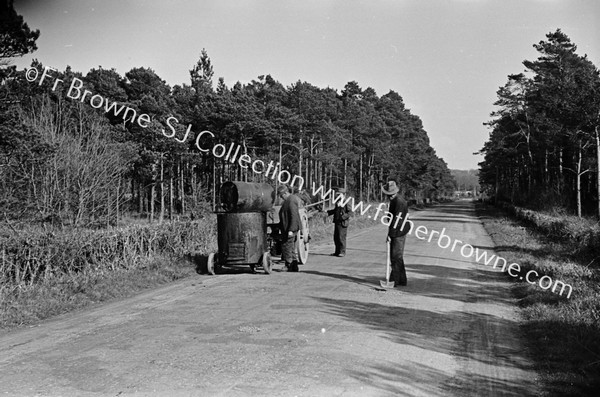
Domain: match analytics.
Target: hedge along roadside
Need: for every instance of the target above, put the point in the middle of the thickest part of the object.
(31, 256)
(584, 232)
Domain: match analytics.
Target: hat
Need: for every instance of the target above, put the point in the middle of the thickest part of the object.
(282, 189)
(390, 188)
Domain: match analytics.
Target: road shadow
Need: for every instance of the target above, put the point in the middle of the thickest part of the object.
(408, 254)
(200, 264)
(432, 331)
(371, 282)
(478, 285)
(423, 219)
(418, 378)
(320, 253)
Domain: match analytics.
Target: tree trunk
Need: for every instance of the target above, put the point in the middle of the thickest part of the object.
(330, 179)
(214, 186)
(381, 179)
(546, 174)
(141, 197)
(161, 216)
(300, 157)
(280, 159)
(370, 177)
(578, 181)
(152, 195)
(311, 174)
(171, 193)
(133, 191)
(360, 178)
(322, 171)
(345, 172)
(306, 169)
(180, 188)
(598, 169)
(194, 186)
(244, 170)
(117, 203)
(560, 170)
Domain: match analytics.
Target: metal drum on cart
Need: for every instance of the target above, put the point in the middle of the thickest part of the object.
(248, 230)
(242, 226)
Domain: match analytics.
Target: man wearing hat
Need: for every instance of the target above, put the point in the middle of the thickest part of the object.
(341, 216)
(289, 220)
(397, 232)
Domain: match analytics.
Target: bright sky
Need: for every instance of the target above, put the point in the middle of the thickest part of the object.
(446, 58)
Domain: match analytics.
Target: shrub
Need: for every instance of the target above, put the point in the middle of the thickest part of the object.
(33, 254)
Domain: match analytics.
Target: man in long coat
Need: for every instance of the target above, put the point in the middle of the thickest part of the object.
(397, 232)
(289, 220)
(341, 219)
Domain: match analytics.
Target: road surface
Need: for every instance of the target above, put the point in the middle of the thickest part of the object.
(326, 331)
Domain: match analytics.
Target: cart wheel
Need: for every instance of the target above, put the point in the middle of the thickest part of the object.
(210, 264)
(266, 262)
(303, 238)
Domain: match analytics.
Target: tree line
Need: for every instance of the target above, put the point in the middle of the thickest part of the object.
(544, 145)
(64, 161)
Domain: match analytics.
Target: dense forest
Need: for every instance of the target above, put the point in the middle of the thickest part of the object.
(544, 145)
(130, 144)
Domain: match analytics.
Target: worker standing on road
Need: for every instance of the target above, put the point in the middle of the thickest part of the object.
(289, 220)
(397, 232)
(341, 219)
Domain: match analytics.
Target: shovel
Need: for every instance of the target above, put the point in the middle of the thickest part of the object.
(387, 283)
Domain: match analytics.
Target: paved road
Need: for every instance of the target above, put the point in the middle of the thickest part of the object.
(326, 331)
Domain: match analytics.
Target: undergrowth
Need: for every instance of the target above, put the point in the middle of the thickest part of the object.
(26, 304)
(44, 273)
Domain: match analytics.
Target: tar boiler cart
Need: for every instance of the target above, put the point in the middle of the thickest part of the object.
(248, 228)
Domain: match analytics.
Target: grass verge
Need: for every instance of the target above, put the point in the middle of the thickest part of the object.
(23, 304)
(563, 333)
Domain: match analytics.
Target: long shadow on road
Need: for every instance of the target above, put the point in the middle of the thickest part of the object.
(433, 332)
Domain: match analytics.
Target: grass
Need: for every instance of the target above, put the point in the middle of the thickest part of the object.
(25, 304)
(563, 333)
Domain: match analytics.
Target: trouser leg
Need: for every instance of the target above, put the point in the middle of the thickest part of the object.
(336, 239)
(289, 249)
(343, 231)
(397, 260)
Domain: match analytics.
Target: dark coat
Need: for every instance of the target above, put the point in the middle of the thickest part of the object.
(398, 208)
(289, 215)
(341, 215)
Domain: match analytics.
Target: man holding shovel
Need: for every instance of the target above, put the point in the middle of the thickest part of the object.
(396, 233)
